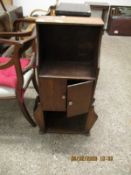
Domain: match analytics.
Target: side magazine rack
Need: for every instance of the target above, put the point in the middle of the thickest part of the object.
(68, 67)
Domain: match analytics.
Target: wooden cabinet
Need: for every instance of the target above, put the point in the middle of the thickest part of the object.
(68, 67)
(119, 22)
(62, 95)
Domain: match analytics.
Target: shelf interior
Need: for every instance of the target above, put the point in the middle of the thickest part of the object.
(67, 69)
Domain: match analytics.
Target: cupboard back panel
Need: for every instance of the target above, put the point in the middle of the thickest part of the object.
(67, 42)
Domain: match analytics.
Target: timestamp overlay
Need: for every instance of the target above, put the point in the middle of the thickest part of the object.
(90, 158)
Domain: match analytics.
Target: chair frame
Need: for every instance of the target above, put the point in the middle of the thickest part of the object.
(3, 6)
(20, 46)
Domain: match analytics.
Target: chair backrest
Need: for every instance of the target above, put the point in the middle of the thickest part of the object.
(19, 50)
(5, 24)
(5, 19)
(3, 6)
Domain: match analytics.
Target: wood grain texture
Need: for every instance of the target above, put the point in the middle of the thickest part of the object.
(68, 70)
(70, 20)
(39, 117)
(53, 94)
(91, 119)
(78, 98)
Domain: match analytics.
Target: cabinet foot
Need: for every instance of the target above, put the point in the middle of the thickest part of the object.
(39, 116)
(91, 118)
(87, 133)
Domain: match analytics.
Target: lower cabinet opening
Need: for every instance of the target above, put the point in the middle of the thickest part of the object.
(58, 121)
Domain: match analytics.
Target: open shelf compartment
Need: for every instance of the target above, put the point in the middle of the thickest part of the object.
(67, 69)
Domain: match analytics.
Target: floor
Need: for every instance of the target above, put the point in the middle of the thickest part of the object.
(24, 151)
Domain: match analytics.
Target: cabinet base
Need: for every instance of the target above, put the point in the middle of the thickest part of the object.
(58, 122)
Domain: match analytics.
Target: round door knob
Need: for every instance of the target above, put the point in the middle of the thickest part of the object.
(70, 103)
(63, 97)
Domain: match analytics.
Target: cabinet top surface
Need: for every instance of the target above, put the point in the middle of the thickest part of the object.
(70, 20)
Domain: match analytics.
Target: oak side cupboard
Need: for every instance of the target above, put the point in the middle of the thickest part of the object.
(68, 67)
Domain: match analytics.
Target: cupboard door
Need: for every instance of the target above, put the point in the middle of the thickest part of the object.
(52, 94)
(78, 98)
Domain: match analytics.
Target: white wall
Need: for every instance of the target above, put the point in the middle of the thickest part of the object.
(30, 5)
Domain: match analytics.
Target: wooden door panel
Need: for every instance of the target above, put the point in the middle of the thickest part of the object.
(53, 94)
(78, 98)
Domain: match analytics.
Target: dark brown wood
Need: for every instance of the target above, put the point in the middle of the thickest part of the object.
(39, 117)
(2, 4)
(10, 26)
(17, 24)
(59, 122)
(35, 83)
(20, 98)
(91, 119)
(78, 98)
(53, 94)
(5, 23)
(19, 48)
(68, 64)
(12, 14)
(67, 70)
(119, 24)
